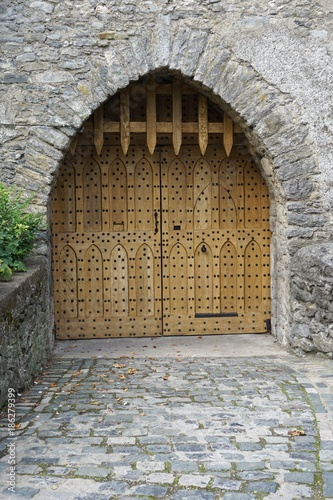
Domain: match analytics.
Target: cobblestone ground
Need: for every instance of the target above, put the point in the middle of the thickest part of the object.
(174, 428)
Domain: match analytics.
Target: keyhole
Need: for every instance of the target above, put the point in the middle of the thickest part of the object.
(203, 248)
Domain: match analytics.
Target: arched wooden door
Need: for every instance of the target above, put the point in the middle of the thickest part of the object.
(149, 242)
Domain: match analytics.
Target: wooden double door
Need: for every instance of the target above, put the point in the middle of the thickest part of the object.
(157, 244)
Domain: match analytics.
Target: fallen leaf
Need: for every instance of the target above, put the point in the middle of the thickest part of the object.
(166, 377)
(131, 371)
(53, 385)
(17, 426)
(179, 360)
(122, 377)
(296, 432)
(94, 403)
(118, 365)
(125, 389)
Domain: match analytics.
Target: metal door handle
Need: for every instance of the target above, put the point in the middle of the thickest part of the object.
(156, 221)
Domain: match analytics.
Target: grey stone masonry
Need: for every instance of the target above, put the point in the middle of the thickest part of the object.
(312, 292)
(268, 64)
(25, 327)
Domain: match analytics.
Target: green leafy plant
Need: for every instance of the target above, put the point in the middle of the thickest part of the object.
(5, 271)
(18, 230)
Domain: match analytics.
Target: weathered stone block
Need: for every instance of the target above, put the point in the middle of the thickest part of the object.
(26, 337)
(323, 342)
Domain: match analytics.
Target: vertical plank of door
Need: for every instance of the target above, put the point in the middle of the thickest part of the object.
(125, 120)
(177, 115)
(202, 123)
(99, 129)
(151, 114)
(79, 194)
(228, 135)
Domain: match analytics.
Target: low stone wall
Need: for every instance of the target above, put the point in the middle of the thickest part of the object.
(26, 337)
(312, 292)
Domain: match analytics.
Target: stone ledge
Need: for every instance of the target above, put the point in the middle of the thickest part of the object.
(26, 324)
(21, 281)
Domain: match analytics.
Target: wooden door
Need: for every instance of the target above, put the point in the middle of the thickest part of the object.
(160, 220)
(216, 237)
(107, 252)
(152, 244)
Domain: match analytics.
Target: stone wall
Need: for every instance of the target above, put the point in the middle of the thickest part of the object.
(26, 337)
(312, 292)
(268, 64)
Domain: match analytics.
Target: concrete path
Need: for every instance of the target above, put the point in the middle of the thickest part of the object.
(232, 417)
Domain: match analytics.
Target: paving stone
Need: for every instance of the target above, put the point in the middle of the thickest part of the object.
(24, 492)
(255, 475)
(121, 440)
(249, 446)
(238, 496)
(159, 448)
(227, 484)
(299, 477)
(150, 491)
(160, 478)
(193, 495)
(328, 484)
(250, 465)
(262, 487)
(114, 487)
(184, 466)
(92, 471)
(196, 481)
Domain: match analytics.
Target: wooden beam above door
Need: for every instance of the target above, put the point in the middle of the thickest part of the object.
(153, 108)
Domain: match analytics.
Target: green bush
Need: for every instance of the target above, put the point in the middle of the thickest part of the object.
(18, 230)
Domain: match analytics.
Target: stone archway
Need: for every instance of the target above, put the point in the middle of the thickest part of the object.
(160, 220)
(269, 118)
(280, 141)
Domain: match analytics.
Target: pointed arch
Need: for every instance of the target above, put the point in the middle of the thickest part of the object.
(66, 296)
(92, 196)
(252, 277)
(64, 200)
(178, 280)
(143, 189)
(93, 283)
(228, 278)
(119, 299)
(177, 194)
(144, 281)
(202, 193)
(203, 279)
(118, 195)
(230, 197)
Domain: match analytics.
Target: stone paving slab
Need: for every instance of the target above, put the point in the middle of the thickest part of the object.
(175, 428)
